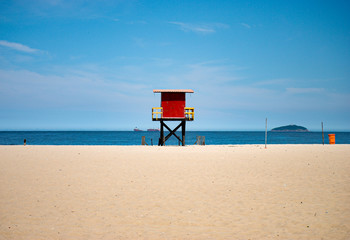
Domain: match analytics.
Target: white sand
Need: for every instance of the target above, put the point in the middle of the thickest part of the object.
(194, 192)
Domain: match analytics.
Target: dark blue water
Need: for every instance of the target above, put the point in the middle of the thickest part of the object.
(134, 138)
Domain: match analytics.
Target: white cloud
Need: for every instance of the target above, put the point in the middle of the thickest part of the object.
(140, 42)
(200, 28)
(246, 25)
(18, 46)
(272, 82)
(74, 90)
(211, 72)
(142, 22)
(304, 90)
(162, 62)
(223, 95)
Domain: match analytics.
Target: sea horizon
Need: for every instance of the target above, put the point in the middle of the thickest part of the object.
(145, 130)
(123, 137)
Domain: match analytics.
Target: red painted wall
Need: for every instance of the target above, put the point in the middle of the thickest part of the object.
(173, 105)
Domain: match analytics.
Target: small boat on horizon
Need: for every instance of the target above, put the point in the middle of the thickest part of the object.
(137, 130)
(153, 130)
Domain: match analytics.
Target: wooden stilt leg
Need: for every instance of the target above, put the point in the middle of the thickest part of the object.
(183, 132)
(161, 138)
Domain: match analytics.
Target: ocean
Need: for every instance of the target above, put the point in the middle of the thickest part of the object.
(134, 138)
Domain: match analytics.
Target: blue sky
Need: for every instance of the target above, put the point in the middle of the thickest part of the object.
(92, 65)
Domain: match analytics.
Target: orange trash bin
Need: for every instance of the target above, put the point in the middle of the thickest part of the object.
(331, 138)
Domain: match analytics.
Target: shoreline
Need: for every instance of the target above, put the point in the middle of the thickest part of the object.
(192, 145)
(287, 191)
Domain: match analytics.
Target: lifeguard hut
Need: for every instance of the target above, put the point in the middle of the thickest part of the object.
(172, 108)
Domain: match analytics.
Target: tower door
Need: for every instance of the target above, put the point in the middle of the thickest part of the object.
(173, 104)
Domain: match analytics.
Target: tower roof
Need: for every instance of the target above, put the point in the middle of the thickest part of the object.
(173, 90)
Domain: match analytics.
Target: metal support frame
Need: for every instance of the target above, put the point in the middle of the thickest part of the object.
(163, 139)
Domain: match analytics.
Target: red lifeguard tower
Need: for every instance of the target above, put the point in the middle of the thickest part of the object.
(172, 108)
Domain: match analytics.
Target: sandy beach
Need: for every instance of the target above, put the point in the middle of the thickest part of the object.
(192, 192)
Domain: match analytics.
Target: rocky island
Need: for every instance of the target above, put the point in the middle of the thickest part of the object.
(290, 128)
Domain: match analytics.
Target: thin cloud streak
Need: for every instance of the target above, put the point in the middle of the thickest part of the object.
(304, 90)
(199, 28)
(273, 82)
(82, 90)
(246, 25)
(18, 46)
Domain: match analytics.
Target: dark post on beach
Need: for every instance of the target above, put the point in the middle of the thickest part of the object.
(322, 133)
(143, 140)
(24, 142)
(265, 132)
